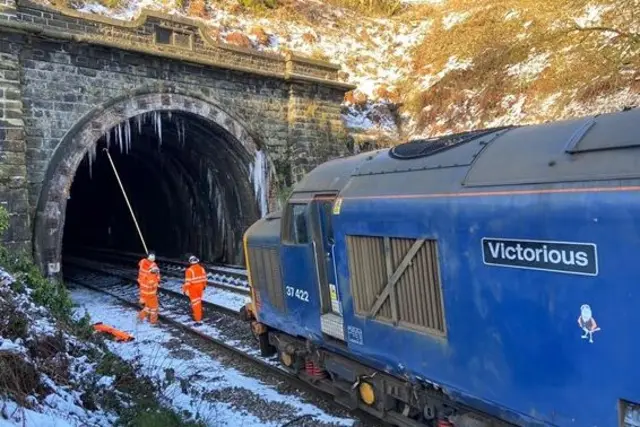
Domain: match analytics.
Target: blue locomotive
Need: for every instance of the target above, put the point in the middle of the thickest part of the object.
(478, 279)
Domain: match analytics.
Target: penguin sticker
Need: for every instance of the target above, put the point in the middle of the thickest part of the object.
(587, 323)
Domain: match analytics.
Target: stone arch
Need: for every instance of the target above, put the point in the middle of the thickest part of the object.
(82, 139)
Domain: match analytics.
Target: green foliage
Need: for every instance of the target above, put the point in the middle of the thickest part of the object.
(283, 194)
(4, 220)
(145, 410)
(46, 292)
(156, 417)
(83, 328)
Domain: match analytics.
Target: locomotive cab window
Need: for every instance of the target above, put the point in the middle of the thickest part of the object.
(297, 229)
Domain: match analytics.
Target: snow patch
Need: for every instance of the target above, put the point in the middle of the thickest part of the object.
(529, 69)
(454, 18)
(592, 15)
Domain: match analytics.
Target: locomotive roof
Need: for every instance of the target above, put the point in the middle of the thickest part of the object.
(332, 175)
(595, 148)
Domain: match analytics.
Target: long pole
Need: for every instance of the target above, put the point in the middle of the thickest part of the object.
(124, 193)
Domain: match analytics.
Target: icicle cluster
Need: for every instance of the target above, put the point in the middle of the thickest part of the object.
(122, 134)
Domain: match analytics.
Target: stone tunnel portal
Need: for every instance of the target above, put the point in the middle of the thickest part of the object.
(191, 185)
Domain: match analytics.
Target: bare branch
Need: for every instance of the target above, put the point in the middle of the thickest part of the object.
(633, 36)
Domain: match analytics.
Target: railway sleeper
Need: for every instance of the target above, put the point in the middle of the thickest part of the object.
(356, 386)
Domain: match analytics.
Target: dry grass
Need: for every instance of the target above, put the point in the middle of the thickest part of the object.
(378, 8)
(495, 35)
(198, 8)
(19, 379)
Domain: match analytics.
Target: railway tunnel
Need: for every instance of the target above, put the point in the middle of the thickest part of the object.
(193, 187)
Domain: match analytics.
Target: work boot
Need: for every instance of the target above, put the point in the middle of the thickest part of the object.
(197, 324)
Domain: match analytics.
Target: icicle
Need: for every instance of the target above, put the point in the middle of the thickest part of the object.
(108, 138)
(180, 131)
(139, 119)
(127, 136)
(119, 136)
(91, 155)
(158, 123)
(257, 172)
(220, 212)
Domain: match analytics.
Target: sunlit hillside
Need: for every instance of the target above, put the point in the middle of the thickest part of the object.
(437, 66)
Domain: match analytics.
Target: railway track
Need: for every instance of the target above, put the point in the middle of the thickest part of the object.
(232, 277)
(220, 327)
(232, 281)
(169, 287)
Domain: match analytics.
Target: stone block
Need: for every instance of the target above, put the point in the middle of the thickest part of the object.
(7, 145)
(12, 158)
(19, 228)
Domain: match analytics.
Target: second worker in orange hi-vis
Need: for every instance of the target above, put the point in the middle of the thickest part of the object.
(195, 282)
(144, 268)
(149, 293)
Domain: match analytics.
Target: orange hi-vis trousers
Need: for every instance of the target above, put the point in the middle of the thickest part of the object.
(195, 283)
(195, 295)
(150, 309)
(149, 295)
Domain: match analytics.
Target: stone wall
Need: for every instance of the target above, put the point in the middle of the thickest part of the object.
(57, 68)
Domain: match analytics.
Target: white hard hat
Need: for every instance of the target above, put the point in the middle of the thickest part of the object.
(193, 259)
(151, 256)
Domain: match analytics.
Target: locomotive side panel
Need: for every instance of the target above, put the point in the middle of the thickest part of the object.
(513, 334)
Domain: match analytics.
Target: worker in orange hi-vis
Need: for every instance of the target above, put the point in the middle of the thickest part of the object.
(195, 282)
(144, 267)
(150, 296)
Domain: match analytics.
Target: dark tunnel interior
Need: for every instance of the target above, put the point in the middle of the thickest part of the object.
(189, 183)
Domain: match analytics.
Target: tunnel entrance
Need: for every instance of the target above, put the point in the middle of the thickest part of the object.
(193, 187)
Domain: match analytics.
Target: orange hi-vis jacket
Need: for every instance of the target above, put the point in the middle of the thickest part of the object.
(149, 287)
(144, 271)
(195, 278)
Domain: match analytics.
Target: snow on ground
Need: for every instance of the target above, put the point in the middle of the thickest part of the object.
(61, 404)
(217, 296)
(61, 413)
(159, 353)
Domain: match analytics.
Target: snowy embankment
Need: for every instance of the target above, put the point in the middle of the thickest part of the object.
(48, 377)
(56, 372)
(193, 380)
